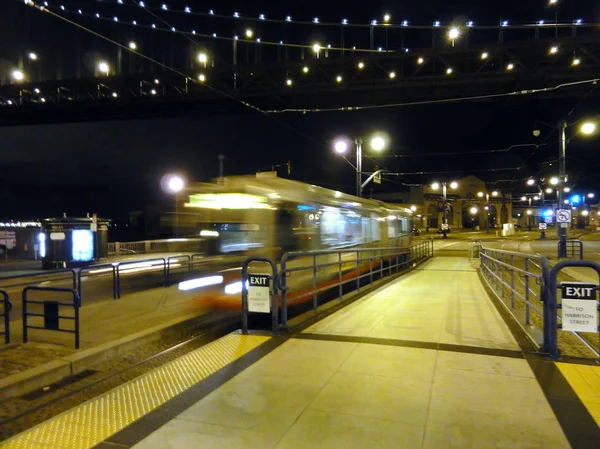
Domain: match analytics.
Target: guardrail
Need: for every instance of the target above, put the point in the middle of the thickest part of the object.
(573, 249)
(51, 313)
(6, 309)
(519, 281)
(554, 306)
(347, 267)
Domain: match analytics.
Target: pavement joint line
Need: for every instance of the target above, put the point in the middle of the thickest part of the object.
(436, 346)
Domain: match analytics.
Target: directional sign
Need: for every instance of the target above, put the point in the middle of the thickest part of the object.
(579, 308)
(563, 216)
(259, 293)
(543, 226)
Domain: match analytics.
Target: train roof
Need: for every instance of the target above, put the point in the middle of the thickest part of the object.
(278, 189)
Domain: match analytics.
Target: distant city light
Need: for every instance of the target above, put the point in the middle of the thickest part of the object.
(454, 33)
(132, 46)
(485, 55)
(392, 75)
(361, 65)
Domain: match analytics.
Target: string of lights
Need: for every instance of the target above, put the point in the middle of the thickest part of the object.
(185, 76)
(441, 101)
(384, 21)
(247, 37)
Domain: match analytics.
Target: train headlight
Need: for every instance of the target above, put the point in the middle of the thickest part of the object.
(200, 282)
(235, 288)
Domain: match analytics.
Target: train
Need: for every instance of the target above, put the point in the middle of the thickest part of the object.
(267, 216)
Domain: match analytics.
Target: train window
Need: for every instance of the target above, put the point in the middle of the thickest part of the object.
(375, 228)
(340, 227)
(239, 236)
(392, 226)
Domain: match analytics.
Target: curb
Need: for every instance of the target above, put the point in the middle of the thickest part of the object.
(56, 370)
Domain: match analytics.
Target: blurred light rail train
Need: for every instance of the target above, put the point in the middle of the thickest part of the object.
(267, 216)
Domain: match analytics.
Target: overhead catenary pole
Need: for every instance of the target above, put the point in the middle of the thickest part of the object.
(562, 179)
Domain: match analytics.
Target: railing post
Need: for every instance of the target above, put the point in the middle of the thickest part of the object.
(340, 275)
(118, 248)
(527, 291)
(502, 274)
(512, 281)
(24, 318)
(357, 271)
(76, 305)
(7, 309)
(381, 266)
(315, 302)
(370, 266)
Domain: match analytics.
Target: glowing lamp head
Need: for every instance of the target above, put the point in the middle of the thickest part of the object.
(413, 208)
(316, 48)
(339, 79)
(288, 82)
(305, 69)
(554, 181)
(454, 185)
(480, 194)
(249, 33)
(435, 185)
(202, 77)
(590, 195)
(474, 211)
(553, 50)
(510, 66)
(392, 75)
(341, 147)
(454, 33)
(495, 193)
(530, 182)
(420, 61)
(485, 55)
(449, 71)
(523, 198)
(32, 56)
(132, 46)
(378, 143)
(18, 75)
(567, 189)
(588, 128)
(176, 184)
(361, 65)
(103, 67)
(529, 212)
(203, 58)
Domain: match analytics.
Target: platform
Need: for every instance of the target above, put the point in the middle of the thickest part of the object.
(425, 361)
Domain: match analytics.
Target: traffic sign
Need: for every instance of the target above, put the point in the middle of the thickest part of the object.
(579, 309)
(563, 216)
(543, 226)
(259, 293)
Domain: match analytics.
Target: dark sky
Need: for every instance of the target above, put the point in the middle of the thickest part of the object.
(115, 167)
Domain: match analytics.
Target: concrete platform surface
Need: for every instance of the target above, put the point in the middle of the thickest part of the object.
(425, 362)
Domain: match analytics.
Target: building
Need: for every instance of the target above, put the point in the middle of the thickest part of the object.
(470, 204)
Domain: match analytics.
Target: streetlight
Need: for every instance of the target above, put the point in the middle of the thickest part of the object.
(103, 67)
(435, 186)
(587, 128)
(175, 184)
(377, 143)
(18, 75)
(249, 33)
(473, 211)
(32, 56)
(133, 46)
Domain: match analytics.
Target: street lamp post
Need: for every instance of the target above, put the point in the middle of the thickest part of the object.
(444, 185)
(341, 146)
(175, 185)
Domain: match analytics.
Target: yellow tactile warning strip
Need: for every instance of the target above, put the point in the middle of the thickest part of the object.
(94, 421)
(585, 381)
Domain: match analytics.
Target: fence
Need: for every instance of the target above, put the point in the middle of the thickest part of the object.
(51, 313)
(6, 309)
(573, 249)
(527, 287)
(307, 276)
(519, 282)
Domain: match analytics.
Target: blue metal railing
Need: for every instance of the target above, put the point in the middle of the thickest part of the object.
(51, 313)
(6, 309)
(519, 281)
(573, 249)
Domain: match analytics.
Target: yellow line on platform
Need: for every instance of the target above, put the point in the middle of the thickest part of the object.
(94, 421)
(585, 381)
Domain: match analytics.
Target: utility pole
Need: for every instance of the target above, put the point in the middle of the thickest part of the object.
(562, 179)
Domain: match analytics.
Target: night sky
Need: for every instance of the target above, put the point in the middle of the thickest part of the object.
(113, 168)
